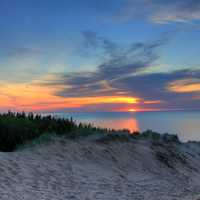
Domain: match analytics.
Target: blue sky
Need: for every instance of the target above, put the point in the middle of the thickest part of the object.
(101, 48)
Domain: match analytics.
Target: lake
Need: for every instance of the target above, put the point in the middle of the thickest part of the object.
(185, 124)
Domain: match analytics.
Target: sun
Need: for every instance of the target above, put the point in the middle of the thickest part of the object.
(132, 110)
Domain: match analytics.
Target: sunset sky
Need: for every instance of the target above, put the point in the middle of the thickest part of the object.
(99, 55)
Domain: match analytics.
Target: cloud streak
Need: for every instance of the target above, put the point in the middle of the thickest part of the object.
(120, 75)
(160, 11)
(120, 64)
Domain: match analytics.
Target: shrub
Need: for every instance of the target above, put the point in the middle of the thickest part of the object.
(18, 128)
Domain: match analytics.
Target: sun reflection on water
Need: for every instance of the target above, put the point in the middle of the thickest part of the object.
(130, 123)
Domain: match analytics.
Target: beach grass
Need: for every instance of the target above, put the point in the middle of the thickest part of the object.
(18, 129)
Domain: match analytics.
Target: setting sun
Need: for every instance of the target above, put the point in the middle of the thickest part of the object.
(132, 110)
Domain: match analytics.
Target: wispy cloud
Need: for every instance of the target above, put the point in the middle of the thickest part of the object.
(117, 82)
(118, 76)
(93, 41)
(160, 11)
(116, 65)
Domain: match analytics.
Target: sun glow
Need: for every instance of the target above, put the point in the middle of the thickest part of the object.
(132, 110)
(34, 97)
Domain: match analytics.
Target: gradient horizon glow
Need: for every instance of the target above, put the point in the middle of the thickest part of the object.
(99, 55)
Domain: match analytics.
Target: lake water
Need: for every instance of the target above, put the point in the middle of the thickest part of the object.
(185, 124)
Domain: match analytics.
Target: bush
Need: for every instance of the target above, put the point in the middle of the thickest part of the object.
(18, 128)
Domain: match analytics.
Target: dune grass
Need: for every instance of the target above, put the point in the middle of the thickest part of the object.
(17, 129)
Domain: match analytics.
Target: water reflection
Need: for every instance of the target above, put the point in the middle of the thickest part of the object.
(185, 124)
(128, 123)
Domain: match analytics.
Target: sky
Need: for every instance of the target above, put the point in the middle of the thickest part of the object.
(99, 55)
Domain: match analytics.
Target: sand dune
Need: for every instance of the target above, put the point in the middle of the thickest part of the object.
(97, 168)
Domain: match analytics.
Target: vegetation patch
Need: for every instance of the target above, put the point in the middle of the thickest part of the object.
(170, 157)
(122, 137)
(17, 129)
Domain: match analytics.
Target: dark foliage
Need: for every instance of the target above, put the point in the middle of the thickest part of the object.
(18, 128)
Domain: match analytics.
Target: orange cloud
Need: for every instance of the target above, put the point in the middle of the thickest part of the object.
(185, 86)
(153, 102)
(34, 97)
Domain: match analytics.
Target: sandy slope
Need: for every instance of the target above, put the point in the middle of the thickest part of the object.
(92, 168)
